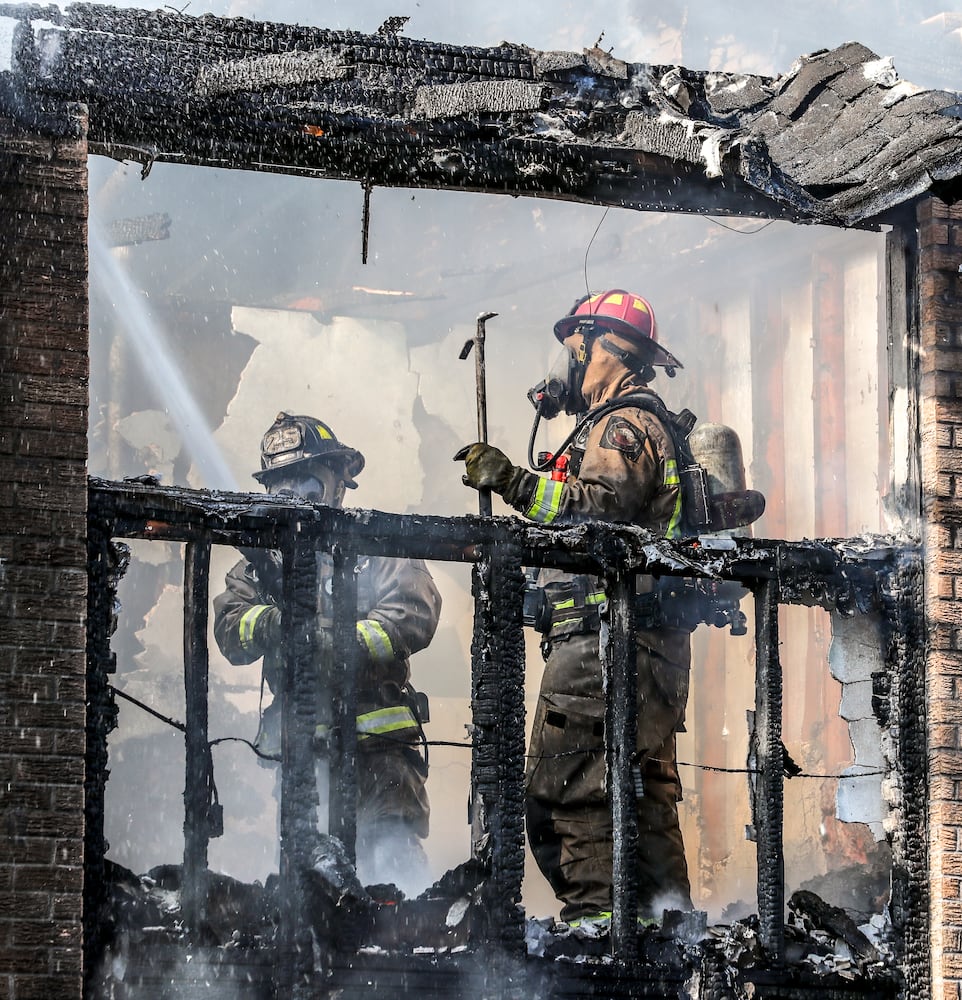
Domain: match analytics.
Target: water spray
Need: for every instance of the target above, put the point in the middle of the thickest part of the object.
(145, 334)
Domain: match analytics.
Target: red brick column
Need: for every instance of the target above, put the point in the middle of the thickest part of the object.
(43, 565)
(940, 294)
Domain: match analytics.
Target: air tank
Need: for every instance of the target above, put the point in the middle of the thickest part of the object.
(718, 449)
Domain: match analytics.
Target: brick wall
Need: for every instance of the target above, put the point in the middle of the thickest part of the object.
(940, 288)
(43, 579)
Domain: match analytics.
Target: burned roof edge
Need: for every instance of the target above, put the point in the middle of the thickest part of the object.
(508, 118)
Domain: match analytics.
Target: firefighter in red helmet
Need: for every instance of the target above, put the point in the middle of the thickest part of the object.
(621, 467)
(398, 607)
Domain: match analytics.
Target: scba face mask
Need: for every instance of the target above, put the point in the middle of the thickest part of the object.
(560, 391)
(322, 485)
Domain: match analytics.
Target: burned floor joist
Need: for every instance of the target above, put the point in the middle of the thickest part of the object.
(388, 110)
(467, 935)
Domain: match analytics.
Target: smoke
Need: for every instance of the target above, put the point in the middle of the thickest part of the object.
(145, 334)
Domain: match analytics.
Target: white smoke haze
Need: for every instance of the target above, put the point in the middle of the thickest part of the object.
(264, 305)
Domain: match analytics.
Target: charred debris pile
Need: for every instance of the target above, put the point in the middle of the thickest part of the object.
(444, 931)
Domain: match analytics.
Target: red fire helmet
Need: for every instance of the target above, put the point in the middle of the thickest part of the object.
(628, 315)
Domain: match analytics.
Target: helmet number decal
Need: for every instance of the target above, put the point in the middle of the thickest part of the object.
(620, 435)
(282, 439)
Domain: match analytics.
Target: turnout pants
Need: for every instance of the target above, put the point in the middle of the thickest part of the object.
(567, 808)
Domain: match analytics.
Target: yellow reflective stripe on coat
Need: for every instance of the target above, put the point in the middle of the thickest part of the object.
(245, 628)
(385, 720)
(671, 479)
(566, 622)
(592, 600)
(376, 723)
(375, 640)
(546, 502)
(595, 597)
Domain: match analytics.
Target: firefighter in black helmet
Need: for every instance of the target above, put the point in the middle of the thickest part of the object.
(398, 608)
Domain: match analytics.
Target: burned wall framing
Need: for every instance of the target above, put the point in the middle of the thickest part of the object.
(841, 576)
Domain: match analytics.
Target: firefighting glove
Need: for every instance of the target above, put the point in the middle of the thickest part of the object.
(488, 468)
(267, 628)
(325, 645)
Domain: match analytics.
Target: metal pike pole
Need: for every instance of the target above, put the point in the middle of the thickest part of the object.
(477, 342)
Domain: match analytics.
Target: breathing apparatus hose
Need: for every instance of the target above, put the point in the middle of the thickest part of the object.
(592, 415)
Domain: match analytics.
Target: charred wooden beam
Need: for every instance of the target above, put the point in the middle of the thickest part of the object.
(497, 762)
(621, 733)
(581, 126)
(106, 564)
(198, 763)
(343, 704)
(298, 808)
(906, 697)
(836, 574)
(767, 807)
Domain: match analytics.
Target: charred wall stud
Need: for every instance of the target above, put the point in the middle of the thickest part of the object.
(199, 766)
(621, 728)
(767, 806)
(295, 953)
(106, 564)
(497, 704)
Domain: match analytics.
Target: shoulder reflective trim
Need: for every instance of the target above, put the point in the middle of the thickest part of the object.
(376, 641)
(385, 720)
(546, 502)
(671, 479)
(563, 605)
(597, 597)
(245, 628)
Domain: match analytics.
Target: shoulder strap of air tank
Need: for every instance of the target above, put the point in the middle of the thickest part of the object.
(641, 400)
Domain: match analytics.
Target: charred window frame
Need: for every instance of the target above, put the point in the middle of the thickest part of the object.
(878, 576)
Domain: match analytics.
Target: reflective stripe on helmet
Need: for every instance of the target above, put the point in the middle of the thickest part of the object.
(546, 502)
(245, 628)
(375, 640)
(672, 479)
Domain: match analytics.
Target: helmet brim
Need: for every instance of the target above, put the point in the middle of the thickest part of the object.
(649, 351)
(349, 460)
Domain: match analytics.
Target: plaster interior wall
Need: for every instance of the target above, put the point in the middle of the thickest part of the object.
(259, 301)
